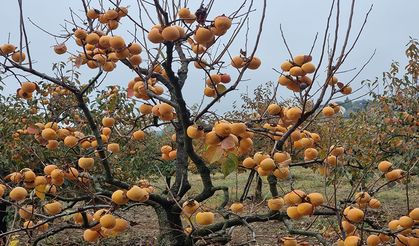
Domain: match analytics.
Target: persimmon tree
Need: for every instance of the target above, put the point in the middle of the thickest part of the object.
(86, 137)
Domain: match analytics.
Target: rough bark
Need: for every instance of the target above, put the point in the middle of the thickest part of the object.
(171, 229)
(3, 224)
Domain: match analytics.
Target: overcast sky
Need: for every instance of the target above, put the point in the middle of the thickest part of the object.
(388, 29)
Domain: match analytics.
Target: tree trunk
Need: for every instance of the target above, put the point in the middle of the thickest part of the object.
(181, 184)
(171, 229)
(272, 185)
(3, 224)
(258, 190)
(247, 186)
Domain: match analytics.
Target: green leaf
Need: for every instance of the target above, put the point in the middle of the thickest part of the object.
(230, 164)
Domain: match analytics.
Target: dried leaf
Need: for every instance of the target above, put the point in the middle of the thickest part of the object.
(228, 143)
(32, 130)
(130, 92)
(78, 61)
(213, 154)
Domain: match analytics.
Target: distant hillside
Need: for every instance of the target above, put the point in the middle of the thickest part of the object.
(353, 106)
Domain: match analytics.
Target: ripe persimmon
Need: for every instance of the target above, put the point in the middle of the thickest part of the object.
(332, 81)
(222, 22)
(135, 60)
(120, 225)
(203, 35)
(414, 214)
(107, 221)
(406, 222)
(308, 67)
(113, 148)
(354, 215)
(138, 135)
(18, 56)
(352, 241)
(7, 49)
(237, 207)
(297, 71)
(26, 212)
(328, 111)
(204, 218)
(92, 38)
(301, 59)
(346, 90)
(274, 109)
(281, 157)
(119, 197)
(286, 66)
(222, 129)
(267, 164)
(28, 224)
(117, 42)
(40, 180)
(189, 207)
(305, 208)
(294, 197)
(374, 203)
(49, 134)
(289, 241)
(293, 213)
(193, 132)
(170, 33)
(49, 168)
(70, 141)
(331, 160)
(166, 149)
(53, 208)
(93, 13)
(237, 62)
(310, 154)
(172, 154)
(254, 63)
(275, 204)
(86, 163)
(137, 194)
(155, 36)
(134, 48)
(362, 197)
(293, 113)
(60, 49)
(348, 227)
(90, 235)
(384, 166)
(28, 87)
(316, 199)
(281, 173)
(249, 163)
(394, 175)
(184, 13)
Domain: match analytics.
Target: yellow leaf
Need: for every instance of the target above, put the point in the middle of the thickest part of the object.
(213, 154)
(14, 241)
(40, 191)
